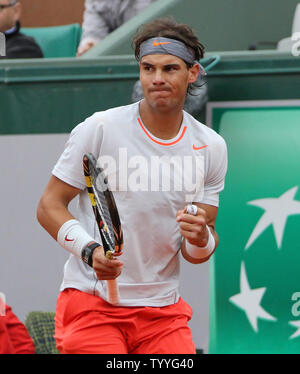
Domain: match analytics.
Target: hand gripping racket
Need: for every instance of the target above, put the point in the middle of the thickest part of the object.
(106, 215)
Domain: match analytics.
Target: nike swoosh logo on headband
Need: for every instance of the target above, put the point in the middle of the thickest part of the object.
(156, 43)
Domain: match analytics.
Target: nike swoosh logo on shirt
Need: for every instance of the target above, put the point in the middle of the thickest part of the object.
(197, 148)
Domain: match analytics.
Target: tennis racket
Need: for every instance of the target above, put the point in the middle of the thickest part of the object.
(106, 215)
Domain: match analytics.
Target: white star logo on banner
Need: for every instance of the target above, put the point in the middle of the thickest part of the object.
(277, 210)
(249, 300)
(297, 332)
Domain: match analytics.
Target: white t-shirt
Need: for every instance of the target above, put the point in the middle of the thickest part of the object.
(151, 180)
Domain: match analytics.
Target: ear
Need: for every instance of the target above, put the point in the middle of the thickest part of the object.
(17, 11)
(193, 73)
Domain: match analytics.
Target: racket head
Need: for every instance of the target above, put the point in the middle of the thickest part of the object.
(104, 205)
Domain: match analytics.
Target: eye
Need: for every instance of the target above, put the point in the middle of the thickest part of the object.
(170, 68)
(148, 68)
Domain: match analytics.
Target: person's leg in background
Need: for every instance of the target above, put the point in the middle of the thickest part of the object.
(14, 337)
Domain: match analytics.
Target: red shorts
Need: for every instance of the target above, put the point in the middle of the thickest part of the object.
(86, 324)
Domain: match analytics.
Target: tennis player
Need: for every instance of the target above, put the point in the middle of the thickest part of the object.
(159, 160)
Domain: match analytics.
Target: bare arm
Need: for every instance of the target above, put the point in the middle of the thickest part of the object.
(194, 230)
(52, 213)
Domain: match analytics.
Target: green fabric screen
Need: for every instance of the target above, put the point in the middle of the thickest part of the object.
(258, 224)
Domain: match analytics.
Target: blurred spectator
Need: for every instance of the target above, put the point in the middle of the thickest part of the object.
(101, 17)
(17, 44)
(14, 337)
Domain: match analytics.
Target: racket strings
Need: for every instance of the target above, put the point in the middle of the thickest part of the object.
(105, 218)
(102, 214)
(108, 206)
(104, 202)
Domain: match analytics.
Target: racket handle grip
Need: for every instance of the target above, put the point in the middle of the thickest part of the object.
(113, 292)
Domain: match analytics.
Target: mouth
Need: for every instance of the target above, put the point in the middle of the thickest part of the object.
(160, 90)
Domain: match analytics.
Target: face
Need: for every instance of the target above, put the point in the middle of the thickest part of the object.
(164, 80)
(9, 16)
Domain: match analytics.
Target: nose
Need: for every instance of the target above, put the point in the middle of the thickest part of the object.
(158, 78)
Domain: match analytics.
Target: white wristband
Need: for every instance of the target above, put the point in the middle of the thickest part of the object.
(197, 252)
(73, 237)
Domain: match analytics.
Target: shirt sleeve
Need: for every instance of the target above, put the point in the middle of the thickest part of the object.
(69, 166)
(85, 138)
(94, 26)
(215, 172)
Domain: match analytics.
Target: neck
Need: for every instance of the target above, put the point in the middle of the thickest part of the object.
(163, 125)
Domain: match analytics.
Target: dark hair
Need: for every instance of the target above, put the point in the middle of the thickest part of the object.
(168, 27)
